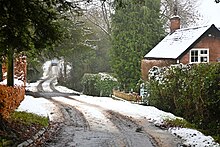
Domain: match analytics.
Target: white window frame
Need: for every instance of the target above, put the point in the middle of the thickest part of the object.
(199, 54)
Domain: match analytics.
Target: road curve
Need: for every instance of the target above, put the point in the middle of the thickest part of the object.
(81, 127)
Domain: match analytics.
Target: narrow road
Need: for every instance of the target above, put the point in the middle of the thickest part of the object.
(89, 125)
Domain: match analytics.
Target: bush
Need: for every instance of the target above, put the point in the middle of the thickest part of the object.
(10, 99)
(192, 92)
(100, 84)
(33, 75)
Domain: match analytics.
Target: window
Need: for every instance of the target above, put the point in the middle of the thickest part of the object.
(199, 55)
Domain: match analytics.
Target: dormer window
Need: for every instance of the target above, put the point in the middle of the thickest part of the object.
(199, 55)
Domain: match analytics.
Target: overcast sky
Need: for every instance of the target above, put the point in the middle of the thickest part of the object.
(210, 11)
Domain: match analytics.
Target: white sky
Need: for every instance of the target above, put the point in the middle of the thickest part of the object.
(210, 11)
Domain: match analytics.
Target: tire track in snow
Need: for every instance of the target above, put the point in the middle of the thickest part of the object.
(74, 121)
(126, 128)
(91, 125)
(101, 132)
(40, 85)
(133, 132)
(75, 130)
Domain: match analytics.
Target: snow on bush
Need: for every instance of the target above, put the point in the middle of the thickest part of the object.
(100, 84)
(190, 91)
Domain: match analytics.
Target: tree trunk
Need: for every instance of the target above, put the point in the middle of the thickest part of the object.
(1, 74)
(65, 69)
(10, 67)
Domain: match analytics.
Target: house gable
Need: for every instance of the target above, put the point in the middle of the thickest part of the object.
(203, 38)
(178, 43)
(210, 39)
(211, 43)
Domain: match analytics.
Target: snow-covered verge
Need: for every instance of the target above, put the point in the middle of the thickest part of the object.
(44, 107)
(41, 106)
(16, 82)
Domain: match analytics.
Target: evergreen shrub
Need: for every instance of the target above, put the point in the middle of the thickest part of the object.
(100, 84)
(190, 91)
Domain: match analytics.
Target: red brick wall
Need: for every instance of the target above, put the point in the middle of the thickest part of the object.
(212, 43)
(146, 65)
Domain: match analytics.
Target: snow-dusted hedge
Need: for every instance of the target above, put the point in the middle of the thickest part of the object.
(100, 84)
(192, 92)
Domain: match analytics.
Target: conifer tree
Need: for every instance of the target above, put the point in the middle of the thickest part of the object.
(27, 25)
(136, 28)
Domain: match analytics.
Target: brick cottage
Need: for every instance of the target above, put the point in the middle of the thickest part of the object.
(187, 46)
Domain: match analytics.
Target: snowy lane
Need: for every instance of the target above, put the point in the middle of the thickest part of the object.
(105, 120)
(131, 122)
(145, 116)
(96, 114)
(135, 134)
(105, 128)
(90, 125)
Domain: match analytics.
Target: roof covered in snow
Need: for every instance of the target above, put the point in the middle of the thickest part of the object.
(176, 43)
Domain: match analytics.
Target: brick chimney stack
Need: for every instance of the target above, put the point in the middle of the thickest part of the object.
(174, 20)
(174, 23)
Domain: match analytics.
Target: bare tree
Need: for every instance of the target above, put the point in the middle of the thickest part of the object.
(99, 14)
(186, 9)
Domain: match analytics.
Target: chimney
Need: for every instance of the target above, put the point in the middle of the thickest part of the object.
(175, 19)
(174, 23)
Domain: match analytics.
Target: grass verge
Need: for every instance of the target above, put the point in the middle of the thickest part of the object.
(179, 123)
(29, 118)
(20, 127)
(185, 124)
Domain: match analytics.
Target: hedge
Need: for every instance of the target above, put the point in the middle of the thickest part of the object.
(100, 84)
(10, 99)
(192, 92)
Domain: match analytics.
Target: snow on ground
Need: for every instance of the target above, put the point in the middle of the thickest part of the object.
(44, 107)
(16, 81)
(32, 86)
(38, 106)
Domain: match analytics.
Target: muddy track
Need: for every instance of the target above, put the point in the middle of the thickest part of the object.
(40, 85)
(52, 86)
(74, 121)
(80, 127)
(133, 132)
(130, 133)
(48, 95)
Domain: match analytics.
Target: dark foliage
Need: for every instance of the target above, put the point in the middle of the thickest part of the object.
(136, 28)
(190, 92)
(28, 25)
